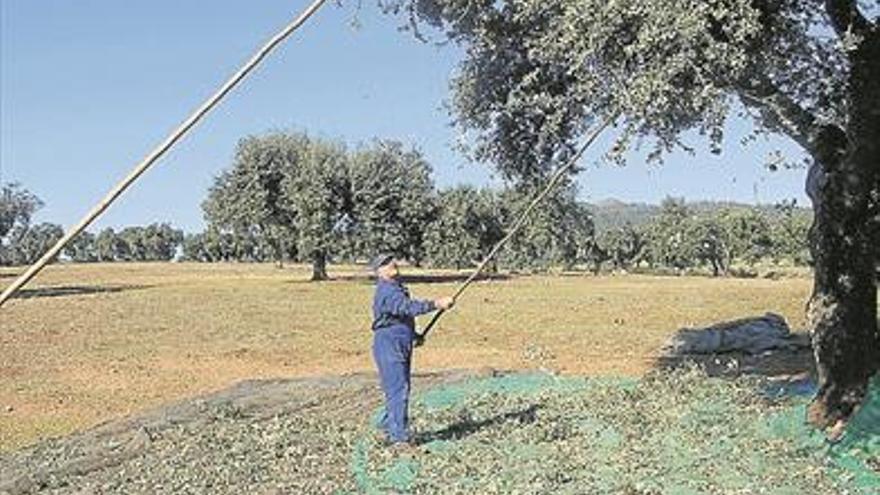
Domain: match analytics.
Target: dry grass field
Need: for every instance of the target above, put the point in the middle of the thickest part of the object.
(89, 343)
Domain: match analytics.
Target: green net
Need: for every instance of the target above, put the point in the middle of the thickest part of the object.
(678, 433)
(857, 456)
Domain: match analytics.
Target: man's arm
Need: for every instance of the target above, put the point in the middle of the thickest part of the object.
(399, 304)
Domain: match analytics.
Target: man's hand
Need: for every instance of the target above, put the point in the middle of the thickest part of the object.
(444, 303)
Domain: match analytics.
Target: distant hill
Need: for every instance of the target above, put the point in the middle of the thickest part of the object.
(612, 213)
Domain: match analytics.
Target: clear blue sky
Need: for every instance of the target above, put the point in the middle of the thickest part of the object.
(87, 88)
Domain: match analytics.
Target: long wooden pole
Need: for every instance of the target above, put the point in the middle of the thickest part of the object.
(160, 150)
(551, 184)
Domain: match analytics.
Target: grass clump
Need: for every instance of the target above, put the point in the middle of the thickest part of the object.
(678, 433)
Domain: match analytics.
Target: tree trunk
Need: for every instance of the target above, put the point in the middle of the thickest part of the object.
(844, 184)
(279, 257)
(492, 267)
(843, 308)
(319, 266)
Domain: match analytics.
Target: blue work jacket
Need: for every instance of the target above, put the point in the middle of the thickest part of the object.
(393, 308)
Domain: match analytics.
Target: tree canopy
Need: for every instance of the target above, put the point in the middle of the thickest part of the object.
(392, 199)
(537, 73)
(245, 200)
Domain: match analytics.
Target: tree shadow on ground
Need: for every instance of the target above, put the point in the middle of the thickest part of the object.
(428, 278)
(449, 278)
(74, 290)
(467, 427)
(781, 364)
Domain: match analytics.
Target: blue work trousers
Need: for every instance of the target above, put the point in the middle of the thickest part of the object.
(392, 351)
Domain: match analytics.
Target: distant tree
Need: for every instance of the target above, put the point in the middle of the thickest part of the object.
(83, 248)
(135, 248)
(161, 241)
(194, 249)
(552, 236)
(249, 245)
(790, 230)
(708, 242)
(390, 200)
(623, 246)
(468, 224)
(247, 201)
(34, 242)
(581, 222)
(317, 194)
(111, 246)
(219, 246)
(667, 235)
(684, 235)
(594, 254)
(17, 206)
(749, 237)
(289, 195)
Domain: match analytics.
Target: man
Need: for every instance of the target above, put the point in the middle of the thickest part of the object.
(394, 315)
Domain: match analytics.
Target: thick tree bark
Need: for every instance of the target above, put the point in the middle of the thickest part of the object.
(319, 266)
(843, 308)
(844, 184)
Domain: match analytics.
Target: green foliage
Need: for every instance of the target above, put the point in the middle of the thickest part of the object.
(709, 243)
(790, 231)
(223, 246)
(33, 242)
(537, 73)
(82, 248)
(558, 232)
(247, 201)
(315, 191)
(683, 236)
(467, 225)
(749, 236)
(17, 206)
(133, 246)
(392, 200)
(667, 234)
(623, 246)
(291, 196)
(109, 246)
(194, 249)
(155, 242)
(470, 222)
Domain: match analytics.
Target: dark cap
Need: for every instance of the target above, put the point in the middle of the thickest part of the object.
(381, 260)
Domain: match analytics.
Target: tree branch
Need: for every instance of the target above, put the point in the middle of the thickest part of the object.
(846, 17)
(780, 111)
